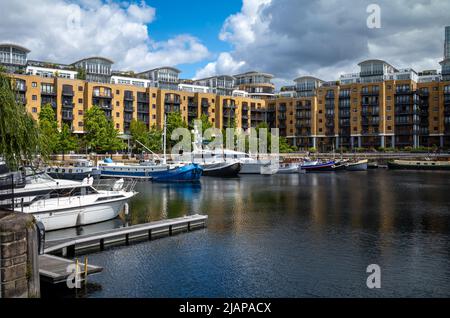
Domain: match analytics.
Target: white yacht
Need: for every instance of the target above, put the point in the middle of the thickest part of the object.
(60, 204)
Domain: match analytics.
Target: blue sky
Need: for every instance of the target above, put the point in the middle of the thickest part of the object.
(200, 18)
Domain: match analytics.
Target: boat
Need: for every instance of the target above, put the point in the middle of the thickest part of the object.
(184, 173)
(331, 166)
(419, 165)
(268, 169)
(145, 171)
(361, 165)
(289, 168)
(372, 165)
(78, 170)
(224, 169)
(61, 204)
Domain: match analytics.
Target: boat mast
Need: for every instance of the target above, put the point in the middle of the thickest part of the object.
(165, 138)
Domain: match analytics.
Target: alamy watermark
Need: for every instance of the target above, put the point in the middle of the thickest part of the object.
(374, 18)
(374, 279)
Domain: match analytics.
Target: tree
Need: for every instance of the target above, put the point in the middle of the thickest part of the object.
(19, 134)
(101, 134)
(67, 141)
(81, 73)
(139, 132)
(48, 129)
(155, 139)
(174, 121)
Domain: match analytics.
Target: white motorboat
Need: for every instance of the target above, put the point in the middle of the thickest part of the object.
(268, 169)
(289, 168)
(60, 204)
(361, 165)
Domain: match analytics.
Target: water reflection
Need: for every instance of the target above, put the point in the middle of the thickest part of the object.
(290, 236)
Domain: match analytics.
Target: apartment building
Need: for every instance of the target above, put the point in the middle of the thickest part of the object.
(380, 106)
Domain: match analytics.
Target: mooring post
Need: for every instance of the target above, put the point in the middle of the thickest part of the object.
(127, 239)
(189, 226)
(102, 244)
(150, 235)
(170, 230)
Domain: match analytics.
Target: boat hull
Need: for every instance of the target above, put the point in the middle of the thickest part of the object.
(75, 176)
(221, 170)
(187, 173)
(251, 168)
(79, 215)
(419, 165)
(326, 167)
(362, 166)
(288, 170)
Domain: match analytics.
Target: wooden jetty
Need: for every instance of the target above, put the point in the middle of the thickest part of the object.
(55, 270)
(67, 247)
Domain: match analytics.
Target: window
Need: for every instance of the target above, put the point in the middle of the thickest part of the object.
(80, 124)
(80, 112)
(80, 88)
(80, 101)
(117, 104)
(117, 114)
(118, 126)
(34, 97)
(154, 106)
(389, 128)
(34, 84)
(34, 110)
(117, 92)
(154, 95)
(154, 116)
(389, 117)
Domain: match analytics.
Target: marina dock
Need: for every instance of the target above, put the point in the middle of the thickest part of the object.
(68, 247)
(54, 270)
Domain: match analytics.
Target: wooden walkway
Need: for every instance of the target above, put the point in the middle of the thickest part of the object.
(125, 234)
(56, 270)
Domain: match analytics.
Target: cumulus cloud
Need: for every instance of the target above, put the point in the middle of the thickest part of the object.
(326, 38)
(64, 32)
(224, 65)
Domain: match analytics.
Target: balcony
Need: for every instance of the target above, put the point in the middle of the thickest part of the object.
(67, 116)
(48, 93)
(282, 109)
(107, 95)
(143, 110)
(128, 108)
(370, 93)
(329, 115)
(128, 97)
(329, 123)
(282, 125)
(172, 100)
(282, 116)
(127, 119)
(105, 106)
(192, 113)
(229, 106)
(68, 105)
(21, 88)
(67, 92)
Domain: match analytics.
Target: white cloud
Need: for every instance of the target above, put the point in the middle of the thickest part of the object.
(326, 38)
(58, 31)
(224, 65)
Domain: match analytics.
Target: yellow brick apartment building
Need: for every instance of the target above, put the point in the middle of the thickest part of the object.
(380, 106)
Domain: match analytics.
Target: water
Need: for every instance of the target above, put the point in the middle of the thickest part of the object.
(288, 236)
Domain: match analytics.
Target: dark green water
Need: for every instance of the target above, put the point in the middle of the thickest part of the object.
(288, 236)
